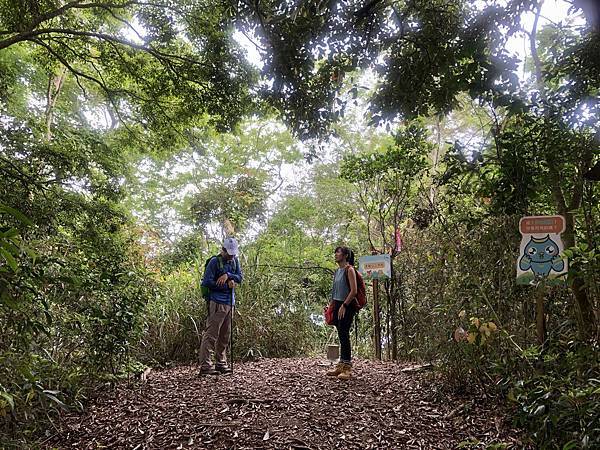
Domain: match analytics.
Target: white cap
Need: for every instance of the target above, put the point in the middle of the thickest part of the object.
(231, 245)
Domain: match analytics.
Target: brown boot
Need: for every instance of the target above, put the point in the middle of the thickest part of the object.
(335, 371)
(346, 372)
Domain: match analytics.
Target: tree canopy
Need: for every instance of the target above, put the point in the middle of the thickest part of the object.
(135, 135)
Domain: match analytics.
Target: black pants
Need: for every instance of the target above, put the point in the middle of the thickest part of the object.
(343, 327)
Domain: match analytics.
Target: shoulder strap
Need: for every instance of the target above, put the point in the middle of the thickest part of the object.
(348, 268)
(222, 264)
(348, 279)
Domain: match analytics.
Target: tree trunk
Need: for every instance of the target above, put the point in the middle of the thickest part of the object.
(393, 334)
(55, 83)
(435, 157)
(585, 311)
(228, 228)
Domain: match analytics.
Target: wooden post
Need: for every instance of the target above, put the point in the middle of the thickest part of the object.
(376, 322)
(540, 315)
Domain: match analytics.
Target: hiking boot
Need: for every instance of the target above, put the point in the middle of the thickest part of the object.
(210, 371)
(224, 370)
(335, 371)
(346, 372)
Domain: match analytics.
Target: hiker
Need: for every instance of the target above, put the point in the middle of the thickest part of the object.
(221, 275)
(343, 296)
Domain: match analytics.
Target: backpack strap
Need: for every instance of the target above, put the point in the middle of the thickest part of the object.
(222, 264)
(348, 279)
(219, 262)
(205, 290)
(354, 301)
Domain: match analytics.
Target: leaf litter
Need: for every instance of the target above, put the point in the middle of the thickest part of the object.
(286, 404)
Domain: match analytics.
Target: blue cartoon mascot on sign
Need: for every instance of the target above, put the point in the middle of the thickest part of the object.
(541, 257)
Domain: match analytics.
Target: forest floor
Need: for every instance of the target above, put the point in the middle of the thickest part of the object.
(287, 404)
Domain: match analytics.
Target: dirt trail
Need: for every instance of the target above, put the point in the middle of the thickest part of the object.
(285, 403)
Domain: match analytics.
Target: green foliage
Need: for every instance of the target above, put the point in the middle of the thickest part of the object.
(387, 182)
(452, 271)
(584, 262)
(220, 179)
(10, 244)
(117, 183)
(276, 315)
(73, 280)
(287, 280)
(238, 203)
(174, 320)
(444, 281)
(72, 315)
(406, 158)
(445, 50)
(279, 321)
(434, 51)
(130, 59)
(560, 406)
(186, 250)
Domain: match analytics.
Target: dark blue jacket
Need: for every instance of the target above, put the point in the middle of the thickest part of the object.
(222, 294)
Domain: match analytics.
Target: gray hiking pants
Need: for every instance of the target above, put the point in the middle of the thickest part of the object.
(215, 337)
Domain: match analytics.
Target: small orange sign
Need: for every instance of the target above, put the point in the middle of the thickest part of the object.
(542, 225)
(375, 266)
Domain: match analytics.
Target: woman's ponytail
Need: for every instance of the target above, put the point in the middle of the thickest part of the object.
(350, 257)
(348, 253)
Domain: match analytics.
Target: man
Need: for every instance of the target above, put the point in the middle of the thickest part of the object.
(222, 274)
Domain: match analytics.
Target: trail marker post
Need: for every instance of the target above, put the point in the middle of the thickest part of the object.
(375, 268)
(376, 322)
(540, 261)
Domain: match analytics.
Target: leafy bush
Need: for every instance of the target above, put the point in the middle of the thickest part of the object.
(273, 315)
(174, 320)
(560, 404)
(453, 277)
(71, 308)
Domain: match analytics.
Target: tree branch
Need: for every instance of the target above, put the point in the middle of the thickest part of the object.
(77, 4)
(162, 57)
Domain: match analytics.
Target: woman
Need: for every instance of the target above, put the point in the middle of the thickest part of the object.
(343, 300)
